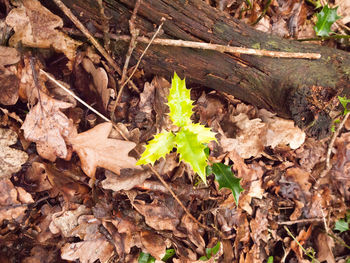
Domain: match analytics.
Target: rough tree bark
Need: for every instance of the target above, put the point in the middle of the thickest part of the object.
(296, 88)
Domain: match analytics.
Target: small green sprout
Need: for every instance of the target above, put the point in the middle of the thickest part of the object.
(190, 141)
(210, 252)
(342, 225)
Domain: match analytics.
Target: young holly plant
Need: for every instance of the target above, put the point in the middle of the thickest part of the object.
(190, 140)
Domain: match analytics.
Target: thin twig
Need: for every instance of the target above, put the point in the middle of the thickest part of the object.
(215, 47)
(221, 48)
(304, 250)
(301, 221)
(139, 61)
(134, 34)
(105, 27)
(331, 144)
(73, 95)
(125, 138)
(86, 32)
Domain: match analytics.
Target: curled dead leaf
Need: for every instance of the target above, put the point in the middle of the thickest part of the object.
(100, 79)
(124, 181)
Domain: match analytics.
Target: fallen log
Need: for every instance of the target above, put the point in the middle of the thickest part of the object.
(302, 89)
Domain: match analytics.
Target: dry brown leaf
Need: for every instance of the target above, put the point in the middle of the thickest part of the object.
(100, 79)
(9, 85)
(43, 227)
(310, 153)
(36, 174)
(162, 87)
(301, 177)
(40, 255)
(243, 234)
(8, 56)
(28, 87)
(46, 125)
(147, 99)
(280, 28)
(209, 107)
(193, 233)
(251, 181)
(248, 141)
(343, 10)
(297, 210)
(154, 244)
(324, 247)
(94, 245)
(95, 149)
(264, 25)
(340, 173)
(159, 215)
(259, 227)
(297, 17)
(302, 237)
(65, 222)
(124, 181)
(281, 131)
(35, 25)
(255, 134)
(12, 201)
(88, 251)
(126, 235)
(11, 160)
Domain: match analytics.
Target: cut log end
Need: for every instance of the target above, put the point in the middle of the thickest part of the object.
(310, 108)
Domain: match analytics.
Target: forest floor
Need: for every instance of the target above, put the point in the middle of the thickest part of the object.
(70, 189)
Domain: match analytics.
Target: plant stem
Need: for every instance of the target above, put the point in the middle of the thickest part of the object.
(304, 250)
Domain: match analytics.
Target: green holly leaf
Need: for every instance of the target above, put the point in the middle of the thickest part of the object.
(191, 151)
(325, 19)
(161, 145)
(179, 102)
(205, 135)
(210, 252)
(168, 254)
(341, 225)
(145, 258)
(226, 178)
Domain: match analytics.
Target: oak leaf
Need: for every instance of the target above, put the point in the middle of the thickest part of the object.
(95, 149)
(46, 125)
(9, 85)
(10, 159)
(35, 25)
(12, 201)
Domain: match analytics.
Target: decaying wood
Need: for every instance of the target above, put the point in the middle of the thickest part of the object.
(302, 89)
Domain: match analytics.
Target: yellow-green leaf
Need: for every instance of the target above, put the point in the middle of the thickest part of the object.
(205, 135)
(192, 151)
(179, 102)
(161, 145)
